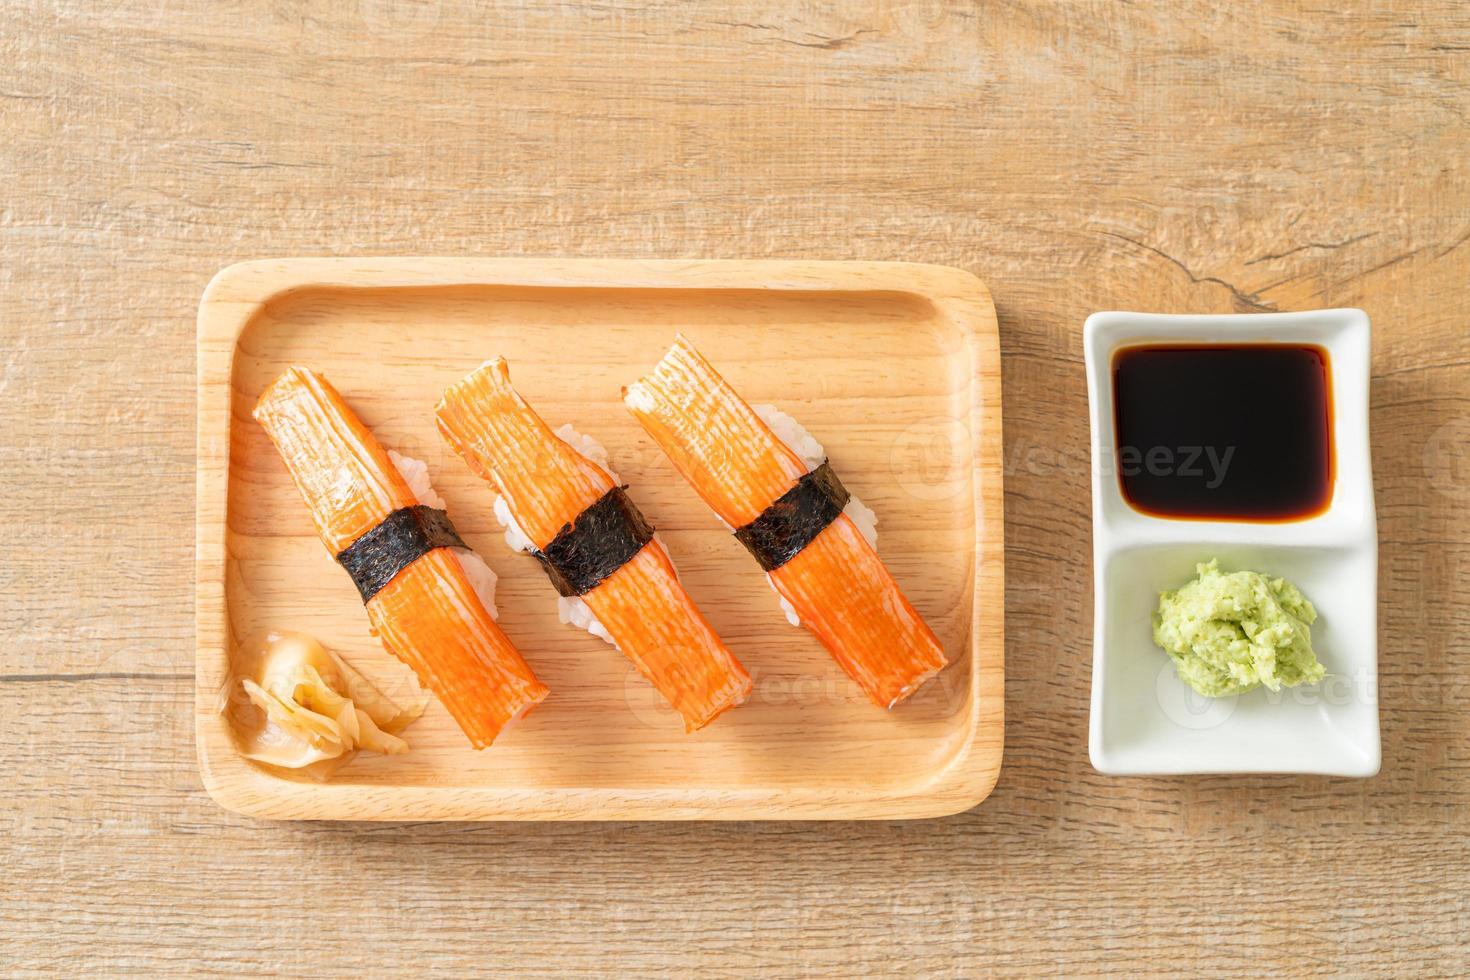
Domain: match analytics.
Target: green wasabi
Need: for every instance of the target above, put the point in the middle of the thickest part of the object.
(1228, 633)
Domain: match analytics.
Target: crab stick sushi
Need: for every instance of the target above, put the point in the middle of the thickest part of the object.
(410, 567)
(793, 515)
(564, 506)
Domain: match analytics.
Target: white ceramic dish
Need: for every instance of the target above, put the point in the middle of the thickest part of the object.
(1144, 719)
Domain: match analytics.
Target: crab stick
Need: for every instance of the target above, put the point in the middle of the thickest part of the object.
(419, 601)
(596, 547)
(821, 565)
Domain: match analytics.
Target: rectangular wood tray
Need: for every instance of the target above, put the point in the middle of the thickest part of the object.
(894, 367)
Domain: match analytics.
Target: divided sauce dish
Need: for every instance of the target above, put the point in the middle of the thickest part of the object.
(1144, 720)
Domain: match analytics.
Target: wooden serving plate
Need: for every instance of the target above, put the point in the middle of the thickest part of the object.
(894, 367)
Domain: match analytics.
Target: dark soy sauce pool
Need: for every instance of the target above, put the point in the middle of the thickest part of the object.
(1225, 431)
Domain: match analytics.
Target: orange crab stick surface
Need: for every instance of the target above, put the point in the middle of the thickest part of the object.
(838, 586)
(546, 485)
(428, 615)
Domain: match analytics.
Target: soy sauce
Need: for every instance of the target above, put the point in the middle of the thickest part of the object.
(1224, 431)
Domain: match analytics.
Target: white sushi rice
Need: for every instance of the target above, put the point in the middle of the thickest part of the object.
(587, 446)
(574, 612)
(569, 609)
(416, 473)
(480, 576)
(803, 444)
(514, 536)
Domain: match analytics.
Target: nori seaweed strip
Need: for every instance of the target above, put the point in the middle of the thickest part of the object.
(403, 537)
(602, 539)
(795, 518)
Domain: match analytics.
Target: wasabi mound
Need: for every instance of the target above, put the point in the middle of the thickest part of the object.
(1229, 633)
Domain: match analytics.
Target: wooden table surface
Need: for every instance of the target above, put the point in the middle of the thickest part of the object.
(1077, 156)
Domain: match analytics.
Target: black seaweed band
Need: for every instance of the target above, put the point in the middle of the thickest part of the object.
(796, 517)
(602, 539)
(403, 537)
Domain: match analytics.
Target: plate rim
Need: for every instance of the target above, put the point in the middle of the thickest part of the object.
(237, 294)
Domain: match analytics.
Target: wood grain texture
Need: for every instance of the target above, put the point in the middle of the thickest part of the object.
(1076, 156)
(895, 365)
